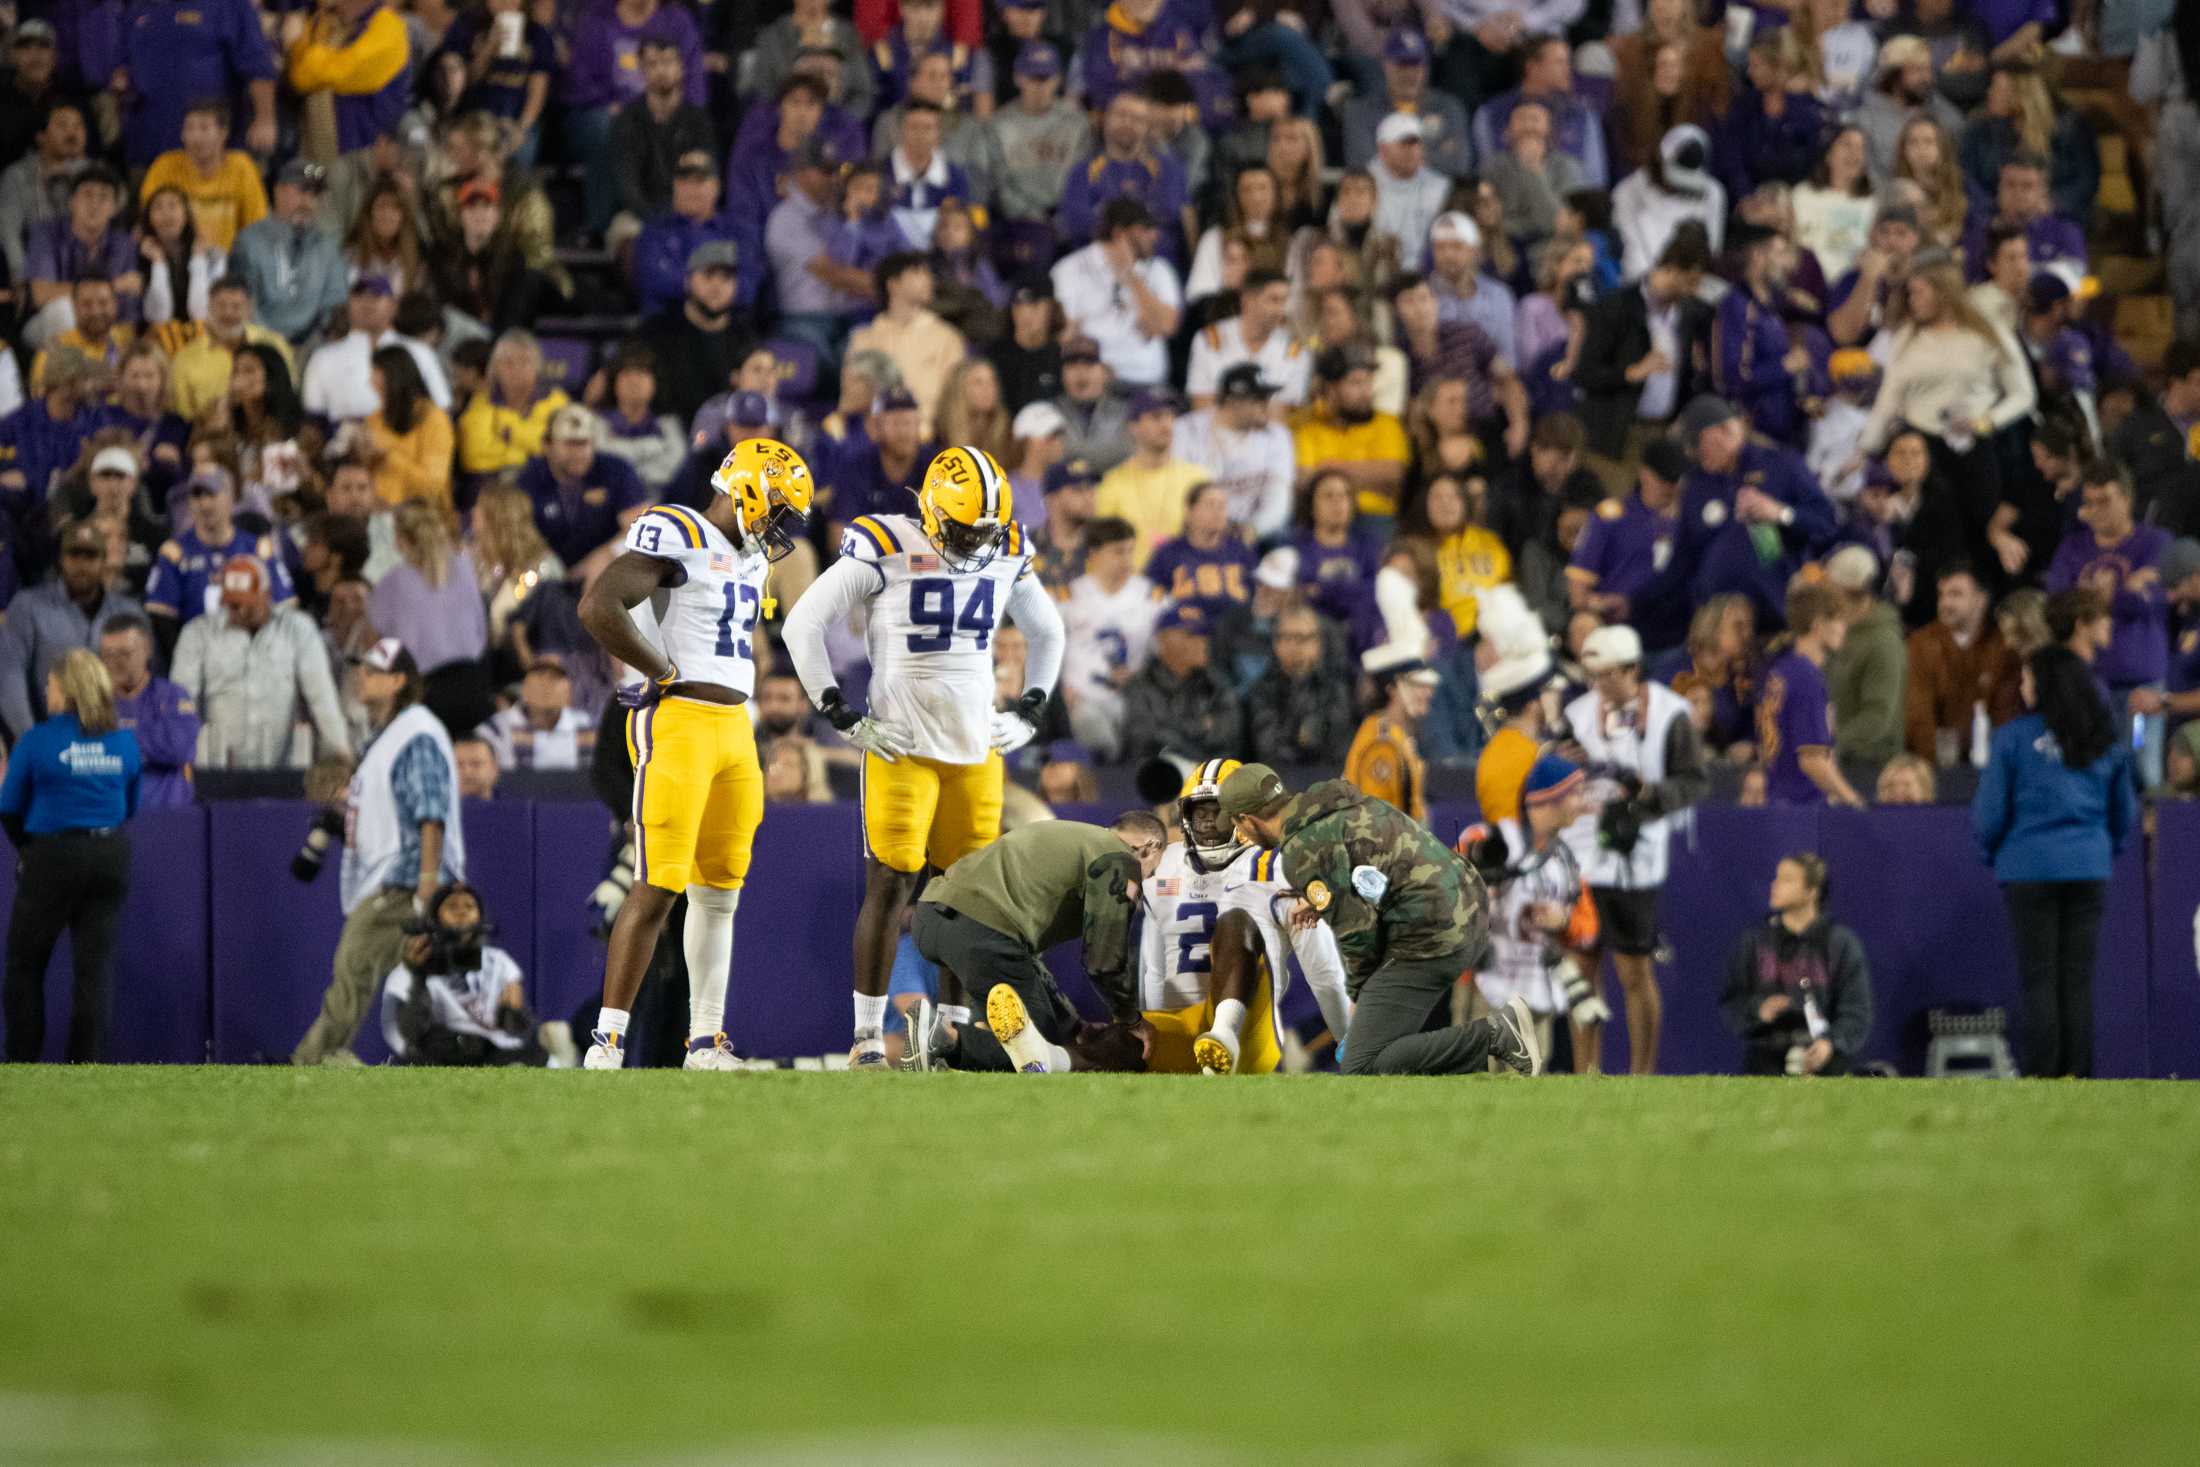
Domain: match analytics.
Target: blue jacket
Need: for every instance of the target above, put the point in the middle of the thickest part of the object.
(62, 778)
(2036, 820)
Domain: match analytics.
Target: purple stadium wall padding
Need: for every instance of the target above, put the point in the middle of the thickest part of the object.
(2174, 1032)
(160, 1009)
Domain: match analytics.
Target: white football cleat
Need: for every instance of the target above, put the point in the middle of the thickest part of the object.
(711, 1052)
(605, 1051)
(868, 1052)
(1011, 1023)
(1216, 1052)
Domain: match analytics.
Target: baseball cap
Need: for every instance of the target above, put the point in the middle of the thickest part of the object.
(1852, 568)
(1747, 236)
(372, 285)
(1707, 411)
(1849, 363)
(1686, 153)
(1038, 420)
(1550, 778)
(713, 254)
(244, 580)
(1667, 459)
(1897, 52)
(1080, 349)
(1038, 60)
(1250, 788)
(1609, 647)
(1072, 473)
(1458, 226)
(1182, 616)
(1404, 47)
(1398, 127)
(387, 655)
(749, 410)
(697, 161)
(1278, 569)
(1339, 362)
(34, 32)
(1243, 382)
(1152, 400)
(1895, 214)
(2180, 558)
(1031, 289)
(1392, 662)
(2047, 290)
(210, 479)
(572, 424)
(306, 174)
(115, 459)
(479, 188)
(895, 400)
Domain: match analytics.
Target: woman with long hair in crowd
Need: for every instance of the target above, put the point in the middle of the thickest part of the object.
(385, 240)
(967, 291)
(2022, 114)
(72, 782)
(1344, 316)
(179, 270)
(1338, 556)
(1950, 374)
(1295, 162)
(431, 601)
(1673, 70)
(1925, 155)
(276, 448)
(1441, 434)
(1716, 671)
(1452, 514)
(1771, 130)
(1253, 211)
(1918, 522)
(409, 439)
(971, 410)
(2055, 805)
(1833, 209)
(511, 559)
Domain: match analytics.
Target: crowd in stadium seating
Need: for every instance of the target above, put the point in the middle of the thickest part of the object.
(1296, 325)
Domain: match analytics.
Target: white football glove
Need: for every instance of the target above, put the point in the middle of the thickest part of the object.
(874, 737)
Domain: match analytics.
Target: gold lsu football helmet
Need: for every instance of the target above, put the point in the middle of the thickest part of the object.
(1204, 784)
(771, 490)
(966, 505)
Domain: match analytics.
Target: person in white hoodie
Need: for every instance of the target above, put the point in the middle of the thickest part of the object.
(1652, 202)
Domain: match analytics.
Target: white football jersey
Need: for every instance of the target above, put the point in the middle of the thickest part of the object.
(1107, 629)
(1516, 965)
(930, 634)
(1176, 963)
(704, 622)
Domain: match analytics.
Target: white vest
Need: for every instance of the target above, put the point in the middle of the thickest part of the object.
(1633, 743)
(372, 841)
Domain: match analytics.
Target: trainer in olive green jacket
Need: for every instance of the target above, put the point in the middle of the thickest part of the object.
(1044, 884)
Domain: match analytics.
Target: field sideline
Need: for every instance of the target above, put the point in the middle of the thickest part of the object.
(261, 1265)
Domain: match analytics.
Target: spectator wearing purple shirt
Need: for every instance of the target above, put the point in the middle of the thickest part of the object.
(583, 499)
(661, 254)
(1206, 566)
(2022, 202)
(605, 74)
(177, 52)
(1337, 558)
(878, 472)
(155, 709)
(1794, 729)
(45, 436)
(84, 241)
(1126, 167)
(2121, 560)
(1629, 541)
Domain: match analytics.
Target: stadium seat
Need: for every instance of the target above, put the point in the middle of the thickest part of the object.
(567, 361)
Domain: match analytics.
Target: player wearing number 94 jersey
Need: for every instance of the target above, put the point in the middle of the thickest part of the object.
(680, 607)
(934, 587)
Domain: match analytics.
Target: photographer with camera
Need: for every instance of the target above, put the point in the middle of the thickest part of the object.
(402, 841)
(1798, 987)
(1645, 763)
(454, 1000)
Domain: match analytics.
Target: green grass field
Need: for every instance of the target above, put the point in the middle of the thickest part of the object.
(259, 1265)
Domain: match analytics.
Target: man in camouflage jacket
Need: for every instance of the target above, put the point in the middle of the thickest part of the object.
(1409, 918)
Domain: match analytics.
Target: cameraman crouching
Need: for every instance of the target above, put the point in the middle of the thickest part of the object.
(454, 1000)
(1644, 763)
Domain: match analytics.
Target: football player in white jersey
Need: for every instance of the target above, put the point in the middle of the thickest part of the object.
(680, 605)
(934, 586)
(1214, 962)
(1109, 620)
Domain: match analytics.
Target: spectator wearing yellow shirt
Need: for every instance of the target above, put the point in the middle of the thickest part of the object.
(95, 333)
(409, 440)
(1469, 556)
(503, 426)
(222, 184)
(1385, 760)
(1344, 432)
(1514, 661)
(199, 372)
(1151, 488)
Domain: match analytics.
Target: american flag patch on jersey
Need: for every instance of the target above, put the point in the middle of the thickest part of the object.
(1165, 886)
(721, 564)
(922, 563)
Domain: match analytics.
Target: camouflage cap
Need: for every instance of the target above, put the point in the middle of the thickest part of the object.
(1252, 788)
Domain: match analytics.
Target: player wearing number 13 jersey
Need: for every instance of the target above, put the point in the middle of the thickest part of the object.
(934, 586)
(680, 607)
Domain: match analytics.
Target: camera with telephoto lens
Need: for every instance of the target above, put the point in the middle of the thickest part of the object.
(326, 830)
(1620, 822)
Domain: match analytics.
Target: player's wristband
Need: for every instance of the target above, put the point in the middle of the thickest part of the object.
(836, 710)
(668, 677)
(1031, 705)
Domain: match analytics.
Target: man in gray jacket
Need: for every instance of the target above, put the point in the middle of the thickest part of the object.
(1444, 124)
(36, 186)
(246, 665)
(1035, 138)
(296, 269)
(50, 620)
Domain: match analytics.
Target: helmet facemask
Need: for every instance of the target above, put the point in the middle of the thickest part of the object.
(781, 528)
(1210, 841)
(967, 548)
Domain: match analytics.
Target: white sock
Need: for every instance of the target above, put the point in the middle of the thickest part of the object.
(612, 1021)
(707, 939)
(870, 1014)
(1230, 1017)
(1057, 1060)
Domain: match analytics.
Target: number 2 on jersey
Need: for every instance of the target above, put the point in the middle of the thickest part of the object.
(739, 595)
(1194, 948)
(932, 604)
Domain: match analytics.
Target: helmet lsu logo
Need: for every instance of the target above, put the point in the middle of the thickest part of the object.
(965, 504)
(771, 490)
